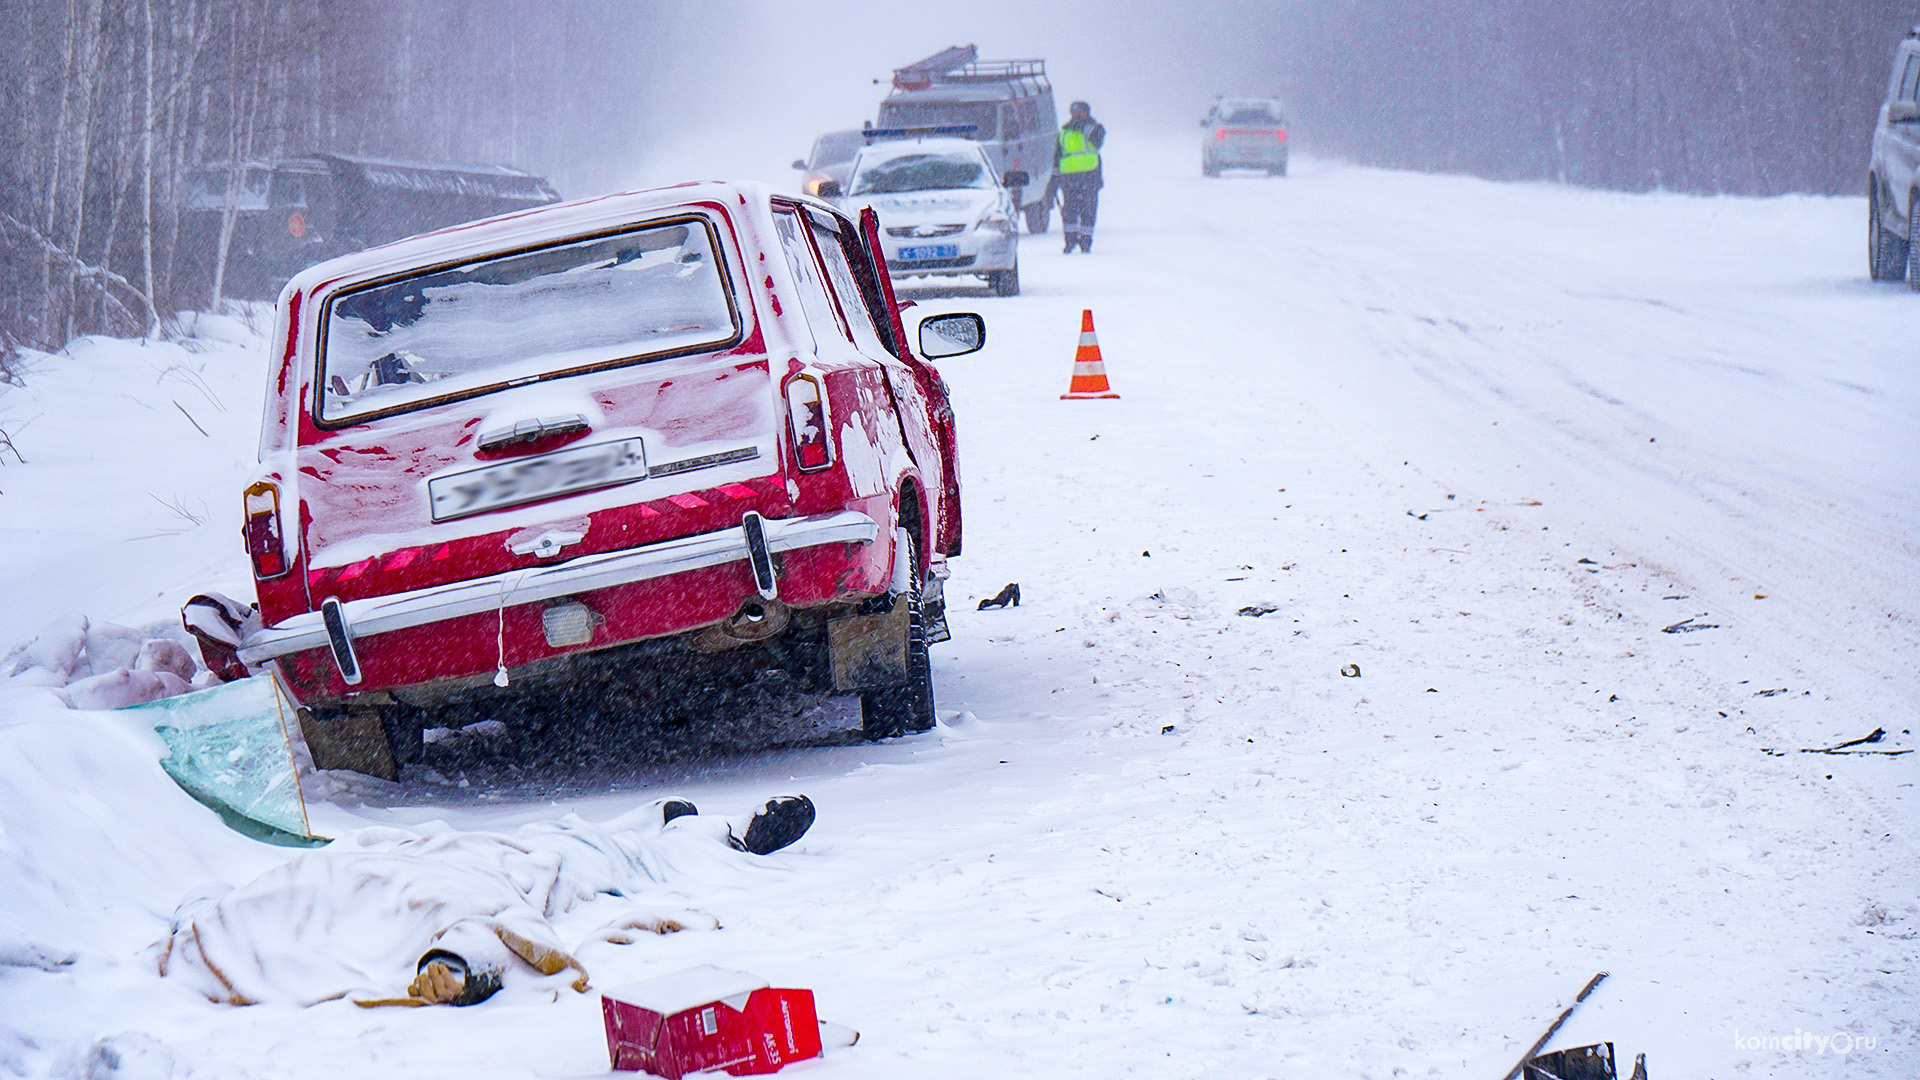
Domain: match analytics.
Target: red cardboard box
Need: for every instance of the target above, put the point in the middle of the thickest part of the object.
(708, 1018)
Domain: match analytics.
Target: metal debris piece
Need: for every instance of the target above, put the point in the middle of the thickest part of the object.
(1526, 1058)
(1594, 1062)
(1842, 749)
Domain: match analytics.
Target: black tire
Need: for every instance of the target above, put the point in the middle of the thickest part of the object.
(1005, 282)
(1281, 170)
(1910, 258)
(1887, 253)
(907, 708)
(1207, 167)
(1038, 215)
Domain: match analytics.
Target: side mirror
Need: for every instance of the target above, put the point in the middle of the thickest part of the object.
(952, 335)
(1903, 112)
(1204, 121)
(1016, 178)
(798, 164)
(829, 189)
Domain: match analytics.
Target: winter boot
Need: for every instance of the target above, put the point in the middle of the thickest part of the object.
(1086, 243)
(1072, 239)
(784, 819)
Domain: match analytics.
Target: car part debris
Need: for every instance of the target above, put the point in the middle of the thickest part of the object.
(1254, 611)
(229, 747)
(1514, 1072)
(1842, 749)
(1594, 1062)
(1007, 597)
(1688, 626)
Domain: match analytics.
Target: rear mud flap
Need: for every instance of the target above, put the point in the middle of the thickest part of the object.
(869, 651)
(933, 605)
(353, 739)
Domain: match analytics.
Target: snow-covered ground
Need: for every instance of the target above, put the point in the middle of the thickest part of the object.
(1484, 441)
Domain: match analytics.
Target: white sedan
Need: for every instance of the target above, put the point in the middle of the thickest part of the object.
(942, 210)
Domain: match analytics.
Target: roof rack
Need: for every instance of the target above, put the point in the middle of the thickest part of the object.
(961, 64)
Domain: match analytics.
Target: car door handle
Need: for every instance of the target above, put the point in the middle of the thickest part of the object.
(529, 430)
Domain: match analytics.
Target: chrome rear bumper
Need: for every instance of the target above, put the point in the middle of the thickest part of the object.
(379, 614)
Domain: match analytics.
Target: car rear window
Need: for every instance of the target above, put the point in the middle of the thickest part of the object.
(1251, 114)
(980, 114)
(457, 331)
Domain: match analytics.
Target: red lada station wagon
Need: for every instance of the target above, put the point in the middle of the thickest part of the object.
(632, 429)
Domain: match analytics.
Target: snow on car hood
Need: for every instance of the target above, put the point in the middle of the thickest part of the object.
(962, 206)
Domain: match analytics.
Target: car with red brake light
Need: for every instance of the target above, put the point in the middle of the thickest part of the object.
(1244, 133)
(626, 432)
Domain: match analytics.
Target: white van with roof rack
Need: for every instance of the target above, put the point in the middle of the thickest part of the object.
(1007, 103)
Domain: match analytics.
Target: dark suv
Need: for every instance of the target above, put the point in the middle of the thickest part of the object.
(1893, 228)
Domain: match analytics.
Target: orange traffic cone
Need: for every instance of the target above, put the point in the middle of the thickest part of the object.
(1089, 371)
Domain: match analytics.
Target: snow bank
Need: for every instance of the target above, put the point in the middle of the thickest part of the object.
(125, 500)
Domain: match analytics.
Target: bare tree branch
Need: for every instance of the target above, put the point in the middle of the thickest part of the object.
(81, 270)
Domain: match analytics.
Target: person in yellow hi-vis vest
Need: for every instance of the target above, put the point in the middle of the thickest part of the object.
(1076, 170)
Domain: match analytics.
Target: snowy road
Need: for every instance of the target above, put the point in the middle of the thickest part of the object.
(1484, 441)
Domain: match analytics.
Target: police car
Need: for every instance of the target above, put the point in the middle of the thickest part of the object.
(943, 212)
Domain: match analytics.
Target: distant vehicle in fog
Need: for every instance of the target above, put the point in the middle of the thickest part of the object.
(1244, 133)
(830, 159)
(290, 213)
(942, 210)
(1893, 227)
(1006, 104)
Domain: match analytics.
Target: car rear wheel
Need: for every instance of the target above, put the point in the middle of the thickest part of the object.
(1911, 255)
(908, 707)
(1887, 254)
(1005, 282)
(1208, 167)
(1038, 215)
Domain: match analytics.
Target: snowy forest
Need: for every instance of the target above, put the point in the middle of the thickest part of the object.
(106, 103)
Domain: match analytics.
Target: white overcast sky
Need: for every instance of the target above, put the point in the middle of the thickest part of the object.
(743, 86)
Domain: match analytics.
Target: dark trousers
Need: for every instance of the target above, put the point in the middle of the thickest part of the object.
(1079, 202)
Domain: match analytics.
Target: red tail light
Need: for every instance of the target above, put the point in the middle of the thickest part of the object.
(807, 413)
(1219, 134)
(262, 530)
(1281, 134)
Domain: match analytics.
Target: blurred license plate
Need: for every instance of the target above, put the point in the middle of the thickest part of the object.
(521, 480)
(930, 251)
